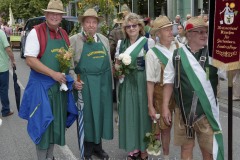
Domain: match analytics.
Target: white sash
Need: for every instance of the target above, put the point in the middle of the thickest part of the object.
(164, 51)
(133, 46)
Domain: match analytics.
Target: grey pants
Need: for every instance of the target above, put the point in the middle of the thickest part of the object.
(45, 154)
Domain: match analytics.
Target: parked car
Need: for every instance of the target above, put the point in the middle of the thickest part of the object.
(67, 24)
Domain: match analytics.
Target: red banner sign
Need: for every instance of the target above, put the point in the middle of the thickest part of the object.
(226, 45)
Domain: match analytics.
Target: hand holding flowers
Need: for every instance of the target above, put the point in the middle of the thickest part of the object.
(153, 144)
(123, 66)
(64, 59)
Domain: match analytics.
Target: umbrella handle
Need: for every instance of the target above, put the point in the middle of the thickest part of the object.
(78, 78)
(14, 68)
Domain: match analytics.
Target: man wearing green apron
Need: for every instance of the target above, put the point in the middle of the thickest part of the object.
(92, 62)
(42, 45)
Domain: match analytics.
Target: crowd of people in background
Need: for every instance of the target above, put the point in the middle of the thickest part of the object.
(10, 30)
(145, 60)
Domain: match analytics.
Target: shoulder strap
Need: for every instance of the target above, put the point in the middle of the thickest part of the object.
(176, 43)
(63, 38)
(41, 38)
(178, 86)
(146, 46)
(176, 61)
(104, 44)
(203, 57)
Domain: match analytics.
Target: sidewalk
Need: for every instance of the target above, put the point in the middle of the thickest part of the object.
(223, 100)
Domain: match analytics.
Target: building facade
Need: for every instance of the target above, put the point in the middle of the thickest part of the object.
(184, 7)
(154, 8)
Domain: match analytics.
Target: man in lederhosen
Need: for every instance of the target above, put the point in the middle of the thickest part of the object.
(194, 81)
(92, 62)
(156, 60)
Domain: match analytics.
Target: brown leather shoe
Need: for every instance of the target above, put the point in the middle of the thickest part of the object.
(9, 114)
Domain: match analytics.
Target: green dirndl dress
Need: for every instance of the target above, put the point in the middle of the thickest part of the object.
(134, 121)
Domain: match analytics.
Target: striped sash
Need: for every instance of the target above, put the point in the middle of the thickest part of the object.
(203, 88)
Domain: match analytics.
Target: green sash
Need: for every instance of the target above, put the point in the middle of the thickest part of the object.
(204, 91)
(135, 48)
(162, 53)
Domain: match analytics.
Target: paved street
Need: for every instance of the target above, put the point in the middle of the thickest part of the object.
(15, 143)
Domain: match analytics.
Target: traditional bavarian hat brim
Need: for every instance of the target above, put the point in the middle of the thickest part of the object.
(55, 6)
(90, 13)
(159, 23)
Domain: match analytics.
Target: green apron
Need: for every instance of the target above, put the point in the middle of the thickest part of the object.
(95, 71)
(55, 133)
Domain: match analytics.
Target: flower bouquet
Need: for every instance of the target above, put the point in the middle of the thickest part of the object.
(88, 38)
(64, 59)
(123, 66)
(153, 143)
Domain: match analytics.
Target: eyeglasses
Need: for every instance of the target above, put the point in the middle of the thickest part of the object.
(131, 26)
(200, 32)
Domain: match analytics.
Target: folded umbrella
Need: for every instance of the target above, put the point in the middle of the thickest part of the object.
(80, 123)
(17, 88)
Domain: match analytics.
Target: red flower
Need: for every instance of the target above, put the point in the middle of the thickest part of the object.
(189, 26)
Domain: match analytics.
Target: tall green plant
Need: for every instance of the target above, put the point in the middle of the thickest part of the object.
(24, 9)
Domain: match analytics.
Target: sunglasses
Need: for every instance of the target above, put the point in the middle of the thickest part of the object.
(201, 32)
(131, 26)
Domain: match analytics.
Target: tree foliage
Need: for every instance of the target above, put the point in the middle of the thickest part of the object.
(104, 8)
(24, 9)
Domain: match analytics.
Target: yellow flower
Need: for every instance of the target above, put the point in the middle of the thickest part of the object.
(64, 58)
(67, 55)
(61, 50)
